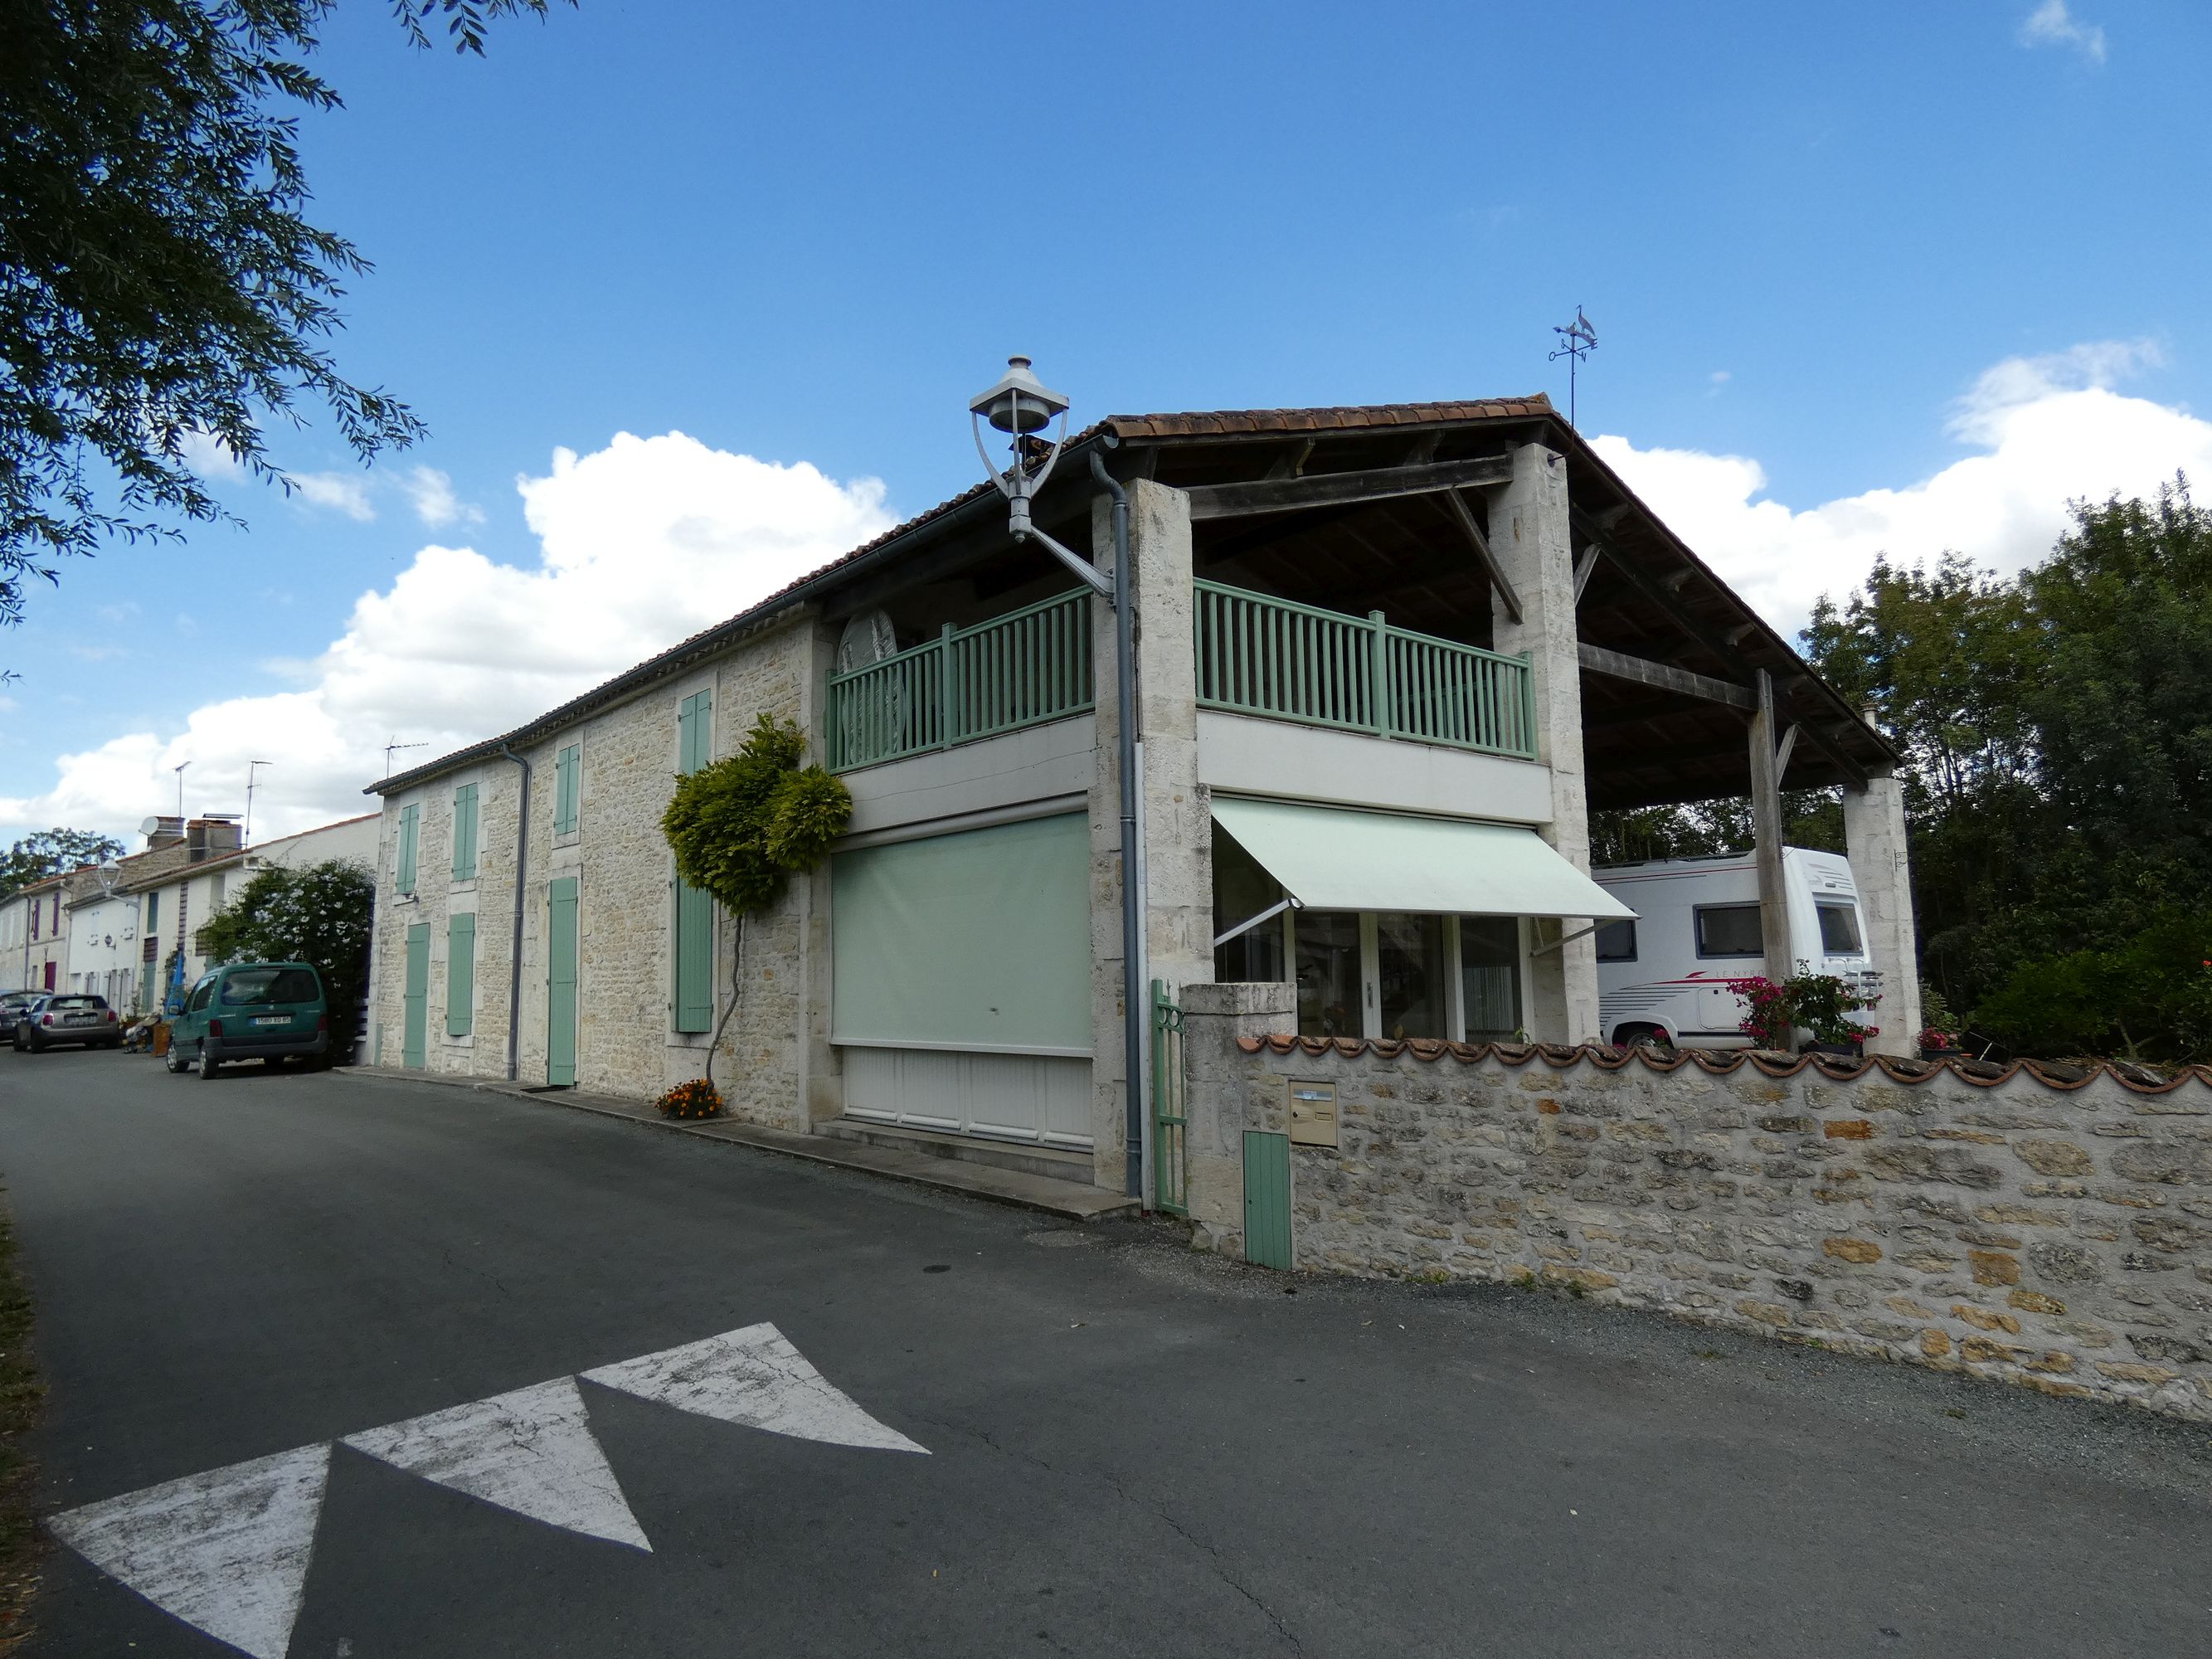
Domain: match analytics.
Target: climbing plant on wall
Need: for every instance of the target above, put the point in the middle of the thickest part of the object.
(742, 827)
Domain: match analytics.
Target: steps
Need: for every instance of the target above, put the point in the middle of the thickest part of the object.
(1055, 1163)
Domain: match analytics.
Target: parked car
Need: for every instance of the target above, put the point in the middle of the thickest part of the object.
(65, 1017)
(267, 1010)
(12, 1004)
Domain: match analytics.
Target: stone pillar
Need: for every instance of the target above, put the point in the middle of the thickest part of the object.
(821, 1070)
(1174, 814)
(1874, 841)
(1532, 543)
(1226, 1092)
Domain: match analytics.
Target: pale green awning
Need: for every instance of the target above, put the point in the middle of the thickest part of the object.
(1330, 858)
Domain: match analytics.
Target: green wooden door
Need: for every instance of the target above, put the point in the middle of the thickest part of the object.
(1267, 1199)
(561, 983)
(414, 1037)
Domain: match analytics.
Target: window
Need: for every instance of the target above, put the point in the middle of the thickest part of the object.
(1241, 889)
(1490, 976)
(1410, 975)
(256, 987)
(1729, 930)
(567, 788)
(1327, 945)
(464, 833)
(218, 885)
(36, 906)
(1839, 927)
(410, 817)
(460, 973)
(1616, 942)
(202, 996)
(153, 912)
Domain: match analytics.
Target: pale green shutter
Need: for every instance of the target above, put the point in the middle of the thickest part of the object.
(692, 925)
(408, 816)
(567, 789)
(416, 993)
(561, 983)
(464, 833)
(460, 974)
(977, 940)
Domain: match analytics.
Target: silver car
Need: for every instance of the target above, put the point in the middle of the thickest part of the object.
(65, 1017)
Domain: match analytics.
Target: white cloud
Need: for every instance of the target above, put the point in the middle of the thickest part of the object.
(2049, 25)
(2049, 429)
(642, 543)
(430, 492)
(349, 495)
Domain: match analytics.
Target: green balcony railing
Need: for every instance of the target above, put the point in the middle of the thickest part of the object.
(1258, 655)
(1021, 669)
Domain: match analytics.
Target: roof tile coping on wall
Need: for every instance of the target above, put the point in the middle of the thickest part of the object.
(1720, 1063)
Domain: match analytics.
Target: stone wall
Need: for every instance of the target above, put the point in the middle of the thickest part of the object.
(2046, 1226)
(772, 1063)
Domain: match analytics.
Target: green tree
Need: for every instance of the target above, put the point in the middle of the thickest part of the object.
(320, 915)
(160, 285)
(49, 852)
(743, 826)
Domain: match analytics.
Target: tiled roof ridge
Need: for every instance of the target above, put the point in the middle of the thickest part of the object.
(1329, 418)
(1722, 1063)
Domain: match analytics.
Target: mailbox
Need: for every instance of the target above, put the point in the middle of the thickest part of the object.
(1312, 1113)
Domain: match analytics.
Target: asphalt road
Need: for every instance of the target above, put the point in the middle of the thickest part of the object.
(1133, 1449)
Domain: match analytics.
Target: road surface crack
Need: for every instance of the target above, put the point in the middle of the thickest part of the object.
(1214, 1556)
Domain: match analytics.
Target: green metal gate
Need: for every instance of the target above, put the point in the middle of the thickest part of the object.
(1167, 1111)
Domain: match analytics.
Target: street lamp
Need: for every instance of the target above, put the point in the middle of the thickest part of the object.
(1023, 406)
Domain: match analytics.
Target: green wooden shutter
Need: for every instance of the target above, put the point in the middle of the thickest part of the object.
(561, 983)
(412, 1043)
(464, 833)
(460, 974)
(692, 923)
(1267, 1199)
(567, 789)
(408, 816)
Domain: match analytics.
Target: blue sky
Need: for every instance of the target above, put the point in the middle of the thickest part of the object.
(806, 234)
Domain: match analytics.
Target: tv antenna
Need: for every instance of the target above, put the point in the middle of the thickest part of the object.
(247, 839)
(390, 749)
(180, 770)
(1578, 340)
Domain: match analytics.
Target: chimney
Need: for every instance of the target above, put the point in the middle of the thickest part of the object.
(212, 837)
(162, 832)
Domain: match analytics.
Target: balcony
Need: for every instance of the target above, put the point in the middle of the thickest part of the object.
(1021, 669)
(1255, 656)
(1286, 661)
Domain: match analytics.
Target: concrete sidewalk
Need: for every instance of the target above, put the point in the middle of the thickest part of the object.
(1015, 1186)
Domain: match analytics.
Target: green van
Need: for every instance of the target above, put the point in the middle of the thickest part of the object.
(264, 1011)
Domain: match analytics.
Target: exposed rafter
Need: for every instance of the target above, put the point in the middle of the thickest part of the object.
(1680, 681)
(1229, 501)
(1473, 532)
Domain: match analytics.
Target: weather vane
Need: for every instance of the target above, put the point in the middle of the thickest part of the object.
(1578, 340)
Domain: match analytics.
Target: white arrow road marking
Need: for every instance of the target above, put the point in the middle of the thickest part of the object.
(225, 1552)
(756, 1377)
(530, 1452)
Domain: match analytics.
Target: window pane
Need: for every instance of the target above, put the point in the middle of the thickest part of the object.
(1729, 930)
(1839, 928)
(1328, 973)
(1242, 888)
(1489, 974)
(1616, 942)
(1409, 965)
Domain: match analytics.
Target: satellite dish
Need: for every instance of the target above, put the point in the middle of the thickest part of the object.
(868, 638)
(149, 827)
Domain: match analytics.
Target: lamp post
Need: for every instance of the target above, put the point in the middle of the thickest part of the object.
(1022, 406)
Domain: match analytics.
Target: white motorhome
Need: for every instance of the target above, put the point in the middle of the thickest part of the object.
(1667, 974)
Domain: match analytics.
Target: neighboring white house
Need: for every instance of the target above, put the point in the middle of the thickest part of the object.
(174, 905)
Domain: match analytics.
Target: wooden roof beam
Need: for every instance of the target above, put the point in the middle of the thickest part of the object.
(1663, 677)
(1230, 501)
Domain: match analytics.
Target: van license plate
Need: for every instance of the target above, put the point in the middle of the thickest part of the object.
(273, 1019)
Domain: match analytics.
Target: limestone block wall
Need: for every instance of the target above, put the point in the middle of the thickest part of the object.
(773, 1061)
(2047, 1226)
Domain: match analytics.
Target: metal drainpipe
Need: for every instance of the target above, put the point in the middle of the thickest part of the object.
(1134, 991)
(515, 955)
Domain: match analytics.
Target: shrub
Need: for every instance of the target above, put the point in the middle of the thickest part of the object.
(1821, 1003)
(2149, 999)
(696, 1098)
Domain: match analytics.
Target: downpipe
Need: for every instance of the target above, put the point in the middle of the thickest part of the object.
(515, 955)
(1135, 990)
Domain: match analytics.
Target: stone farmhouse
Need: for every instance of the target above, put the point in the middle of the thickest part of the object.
(1388, 659)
